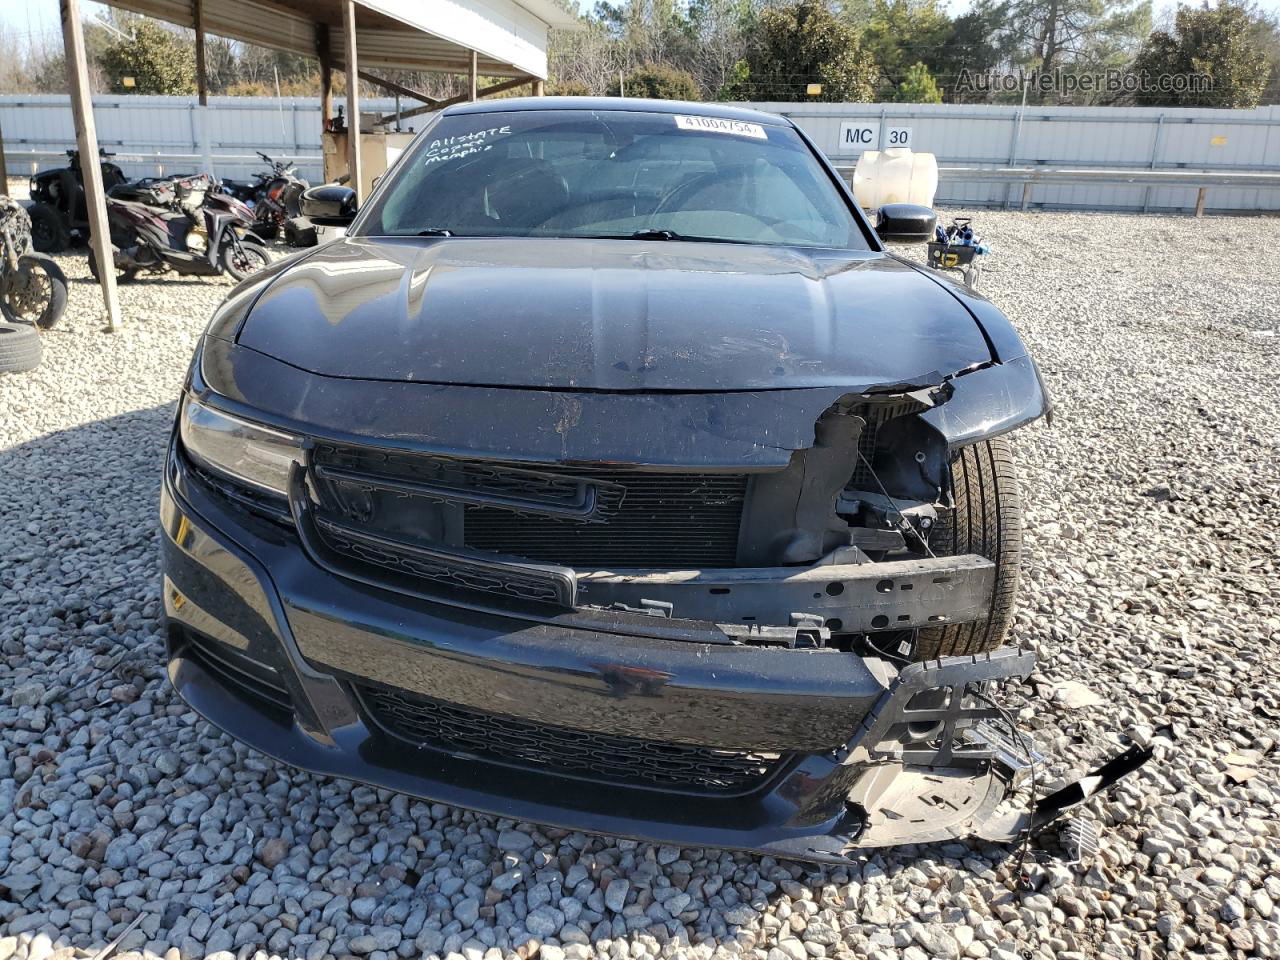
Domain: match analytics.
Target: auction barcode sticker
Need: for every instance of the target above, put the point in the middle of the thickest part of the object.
(738, 128)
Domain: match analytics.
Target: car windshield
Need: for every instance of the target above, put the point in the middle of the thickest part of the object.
(615, 174)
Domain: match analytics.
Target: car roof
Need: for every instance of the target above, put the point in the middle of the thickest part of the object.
(632, 104)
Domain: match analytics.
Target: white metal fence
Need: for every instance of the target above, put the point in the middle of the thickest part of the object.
(1136, 138)
(158, 135)
(172, 134)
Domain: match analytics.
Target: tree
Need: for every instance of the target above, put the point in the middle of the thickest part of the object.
(800, 43)
(1266, 33)
(585, 61)
(1219, 44)
(659, 81)
(919, 86)
(1053, 34)
(902, 33)
(977, 43)
(157, 60)
(719, 30)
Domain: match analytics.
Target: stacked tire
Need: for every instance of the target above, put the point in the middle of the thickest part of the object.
(20, 347)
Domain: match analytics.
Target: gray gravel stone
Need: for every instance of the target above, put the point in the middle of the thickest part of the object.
(1150, 579)
(615, 895)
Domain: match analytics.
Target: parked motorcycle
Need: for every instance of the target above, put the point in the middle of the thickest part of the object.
(33, 289)
(274, 196)
(185, 224)
(58, 211)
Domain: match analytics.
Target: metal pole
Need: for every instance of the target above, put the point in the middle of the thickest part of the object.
(4, 170)
(284, 134)
(1155, 153)
(475, 76)
(1017, 135)
(1200, 198)
(354, 167)
(87, 141)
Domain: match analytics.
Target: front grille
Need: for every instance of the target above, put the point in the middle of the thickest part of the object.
(581, 754)
(447, 569)
(585, 517)
(668, 520)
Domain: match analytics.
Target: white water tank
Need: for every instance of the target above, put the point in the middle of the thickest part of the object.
(897, 175)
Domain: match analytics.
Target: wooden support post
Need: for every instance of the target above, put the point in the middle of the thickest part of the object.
(539, 88)
(353, 102)
(201, 118)
(1026, 194)
(202, 82)
(475, 76)
(87, 142)
(1200, 197)
(397, 88)
(325, 56)
(461, 98)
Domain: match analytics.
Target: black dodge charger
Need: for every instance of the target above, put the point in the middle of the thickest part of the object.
(611, 474)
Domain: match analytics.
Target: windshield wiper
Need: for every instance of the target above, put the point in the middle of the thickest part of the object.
(653, 233)
(435, 232)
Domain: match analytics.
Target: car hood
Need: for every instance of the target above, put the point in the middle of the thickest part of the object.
(612, 315)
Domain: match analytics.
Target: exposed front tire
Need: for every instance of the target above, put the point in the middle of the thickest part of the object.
(20, 347)
(35, 293)
(48, 233)
(987, 520)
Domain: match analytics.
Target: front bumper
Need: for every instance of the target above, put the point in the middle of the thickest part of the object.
(276, 651)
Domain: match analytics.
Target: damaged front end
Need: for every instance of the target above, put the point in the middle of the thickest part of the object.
(710, 595)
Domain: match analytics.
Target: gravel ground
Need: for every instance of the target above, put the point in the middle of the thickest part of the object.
(1150, 596)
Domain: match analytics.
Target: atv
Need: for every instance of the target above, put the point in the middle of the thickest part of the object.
(58, 210)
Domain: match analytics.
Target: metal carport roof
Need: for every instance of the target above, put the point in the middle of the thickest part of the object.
(506, 38)
(509, 36)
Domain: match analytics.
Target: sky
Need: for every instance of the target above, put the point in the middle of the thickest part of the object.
(41, 16)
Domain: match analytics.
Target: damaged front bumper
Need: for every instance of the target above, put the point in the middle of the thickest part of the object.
(814, 754)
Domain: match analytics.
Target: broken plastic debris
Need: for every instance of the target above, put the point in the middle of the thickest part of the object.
(1240, 767)
(1074, 694)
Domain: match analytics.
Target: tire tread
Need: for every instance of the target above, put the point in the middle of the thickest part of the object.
(20, 347)
(987, 520)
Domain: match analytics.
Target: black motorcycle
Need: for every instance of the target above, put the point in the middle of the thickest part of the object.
(33, 289)
(58, 211)
(185, 224)
(274, 196)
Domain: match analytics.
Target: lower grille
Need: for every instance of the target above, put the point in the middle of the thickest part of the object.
(236, 670)
(576, 753)
(667, 520)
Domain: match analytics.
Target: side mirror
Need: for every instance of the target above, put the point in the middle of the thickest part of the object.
(905, 223)
(329, 205)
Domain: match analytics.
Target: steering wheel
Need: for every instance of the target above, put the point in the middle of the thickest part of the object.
(683, 191)
(701, 182)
